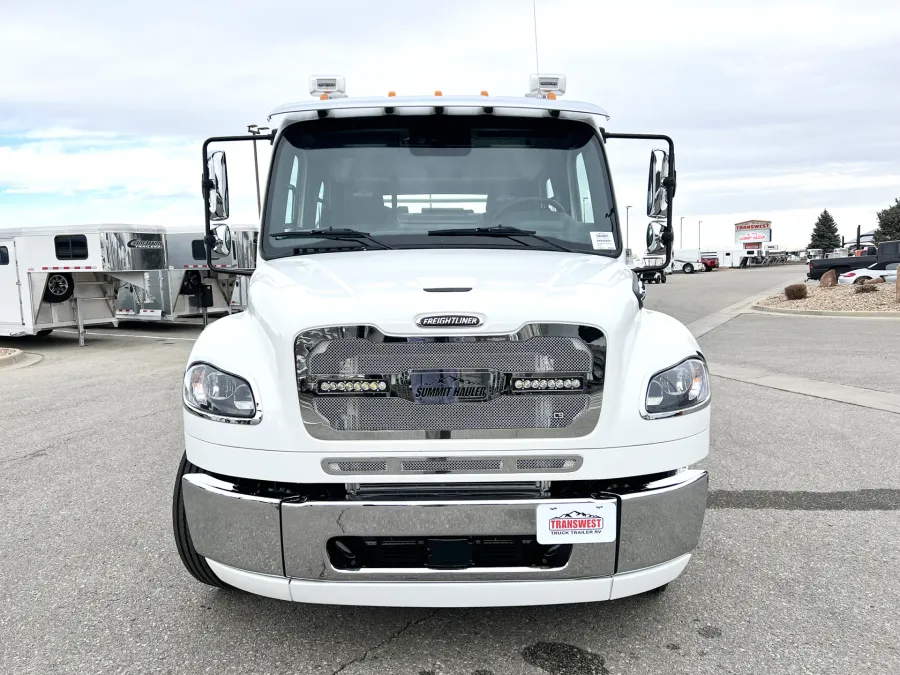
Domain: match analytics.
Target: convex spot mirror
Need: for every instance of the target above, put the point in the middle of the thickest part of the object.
(655, 243)
(218, 192)
(657, 200)
(222, 233)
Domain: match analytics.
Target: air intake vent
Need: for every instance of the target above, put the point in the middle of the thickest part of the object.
(450, 465)
(361, 466)
(444, 465)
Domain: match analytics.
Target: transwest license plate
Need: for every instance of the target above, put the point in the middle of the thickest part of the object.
(576, 522)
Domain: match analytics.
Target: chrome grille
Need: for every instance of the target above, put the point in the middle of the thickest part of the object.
(506, 412)
(492, 361)
(537, 355)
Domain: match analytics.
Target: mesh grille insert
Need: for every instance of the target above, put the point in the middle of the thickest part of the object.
(505, 412)
(537, 354)
(462, 465)
(545, 464)
(358, 466)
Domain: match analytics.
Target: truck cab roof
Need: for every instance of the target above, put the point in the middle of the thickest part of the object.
(376, 106)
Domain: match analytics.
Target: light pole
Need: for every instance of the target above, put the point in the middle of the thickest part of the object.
(681, 235)
(256, 131)
(699, 222)
(627, 213)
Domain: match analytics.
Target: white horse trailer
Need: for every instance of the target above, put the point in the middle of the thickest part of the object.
(178, 290)
(65, 276)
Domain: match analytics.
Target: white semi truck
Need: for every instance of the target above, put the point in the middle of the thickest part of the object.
(445, 390)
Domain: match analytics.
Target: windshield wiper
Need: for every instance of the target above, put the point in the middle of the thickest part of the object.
(341, 234)
(498, 231)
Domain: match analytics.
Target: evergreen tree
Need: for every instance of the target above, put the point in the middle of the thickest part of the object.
(825, 233)
(889, 223)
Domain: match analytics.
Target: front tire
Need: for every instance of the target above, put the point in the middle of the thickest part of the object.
(688, 268)
(193, 561)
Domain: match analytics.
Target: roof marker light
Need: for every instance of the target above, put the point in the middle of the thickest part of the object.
(328, 86)
(546, 86)
(392, 93)
(438, 93)
(484, 92)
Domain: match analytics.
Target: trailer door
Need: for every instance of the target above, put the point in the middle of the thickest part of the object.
(10, 288)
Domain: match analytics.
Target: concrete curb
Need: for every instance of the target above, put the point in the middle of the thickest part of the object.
(825, 312)
(9, 359)
(842, 393)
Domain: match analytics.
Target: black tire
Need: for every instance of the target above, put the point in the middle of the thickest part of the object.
(658, 590)
(860, 281)
(663, 278)
(44, 331)
(688, 268)
(193, 561)
(60, 287)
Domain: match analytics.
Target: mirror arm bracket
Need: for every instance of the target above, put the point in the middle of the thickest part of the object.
(667, 235)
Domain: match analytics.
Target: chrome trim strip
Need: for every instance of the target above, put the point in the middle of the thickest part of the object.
(507, 464)
(236, 529)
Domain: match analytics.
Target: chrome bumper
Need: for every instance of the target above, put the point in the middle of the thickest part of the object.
(659, 522)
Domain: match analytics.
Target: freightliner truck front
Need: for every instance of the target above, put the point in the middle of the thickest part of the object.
(445, 390)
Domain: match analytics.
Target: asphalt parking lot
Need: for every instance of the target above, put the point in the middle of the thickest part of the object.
(796, 571)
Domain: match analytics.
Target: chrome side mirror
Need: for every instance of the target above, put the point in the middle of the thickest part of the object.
(218, 192)
(222, 233)
(655, 243)
(657, 200)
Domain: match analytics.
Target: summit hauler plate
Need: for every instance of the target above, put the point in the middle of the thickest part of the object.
(576, 522)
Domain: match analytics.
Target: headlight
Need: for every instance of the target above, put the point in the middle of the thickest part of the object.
(679, 389)
(210, 392)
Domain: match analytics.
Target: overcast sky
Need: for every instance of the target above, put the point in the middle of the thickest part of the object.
(778, 109)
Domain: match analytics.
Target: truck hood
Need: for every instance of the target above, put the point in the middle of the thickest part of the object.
(390, 289)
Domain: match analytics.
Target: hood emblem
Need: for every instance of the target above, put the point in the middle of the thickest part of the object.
(448, 321)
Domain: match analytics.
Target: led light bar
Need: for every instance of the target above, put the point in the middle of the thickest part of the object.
(352, 386)
(563, 383)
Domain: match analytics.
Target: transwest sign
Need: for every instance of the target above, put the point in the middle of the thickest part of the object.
(752, 231)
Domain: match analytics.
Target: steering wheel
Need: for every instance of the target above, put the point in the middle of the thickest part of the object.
(527, 200)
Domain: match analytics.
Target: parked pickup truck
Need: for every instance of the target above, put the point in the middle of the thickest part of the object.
(446, 389)
(887, 251)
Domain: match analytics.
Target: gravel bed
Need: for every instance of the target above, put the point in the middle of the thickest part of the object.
(840, 299)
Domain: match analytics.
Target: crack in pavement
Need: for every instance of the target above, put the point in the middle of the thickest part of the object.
(386, 641)
(41, 452)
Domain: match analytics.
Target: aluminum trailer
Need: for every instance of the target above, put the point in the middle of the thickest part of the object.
(67, 276)
(175, 292)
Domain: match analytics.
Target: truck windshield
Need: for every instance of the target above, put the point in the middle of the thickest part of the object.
(400, 178)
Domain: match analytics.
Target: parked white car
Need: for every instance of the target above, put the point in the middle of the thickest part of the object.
(884, 269)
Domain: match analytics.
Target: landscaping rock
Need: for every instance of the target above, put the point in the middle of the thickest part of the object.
(876, 280)
(898, 288)
(880, 298)
(828, 279)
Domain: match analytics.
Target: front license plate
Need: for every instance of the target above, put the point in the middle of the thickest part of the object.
(576, 522)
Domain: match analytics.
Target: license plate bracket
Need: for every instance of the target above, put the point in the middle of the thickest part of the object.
(576, 522)
(451, 553)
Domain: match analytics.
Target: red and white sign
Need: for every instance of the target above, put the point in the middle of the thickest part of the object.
(571, 523)
(753, 225)
(753, 236)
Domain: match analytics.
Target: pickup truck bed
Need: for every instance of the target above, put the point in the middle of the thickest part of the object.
(888, 251)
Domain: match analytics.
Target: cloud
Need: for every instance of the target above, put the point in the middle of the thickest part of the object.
(778, 108)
